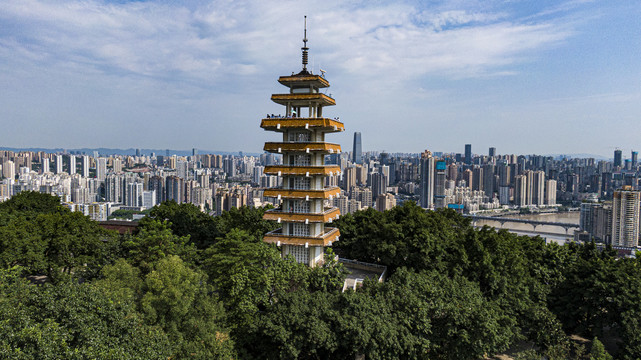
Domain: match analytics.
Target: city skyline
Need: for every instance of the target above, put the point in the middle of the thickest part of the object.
(562, 76)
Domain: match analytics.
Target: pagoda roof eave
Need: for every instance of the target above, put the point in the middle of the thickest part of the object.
(304, 79)
(303, 99)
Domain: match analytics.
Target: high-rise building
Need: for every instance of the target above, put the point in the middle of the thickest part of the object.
(385, 202)
(427, 166)
(488, 180)
(550, 192)
(85, 166)
(520, 190)
(133, 194)
(538, 188)
(58, 164)
(157, 184)
(302, 214)
(634, 158)
(379, 184)
(439, 184)
(149, 199)
(46, 166)
(617, 158)
(468, 154)
(72, 164)
(113, 189)
(357, 152)
(477, 178)
(504, 174)
(117, 164)
(492, 152)
(9, 170)
(175, 189)
(625, 217)
(101, 169)
(349, 178)
(586, 217)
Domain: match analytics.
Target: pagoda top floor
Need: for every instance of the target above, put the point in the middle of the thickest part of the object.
(304, 79)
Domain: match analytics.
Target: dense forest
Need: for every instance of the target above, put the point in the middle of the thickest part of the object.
(189, 286)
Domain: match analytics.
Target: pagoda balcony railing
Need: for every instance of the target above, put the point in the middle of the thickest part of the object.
(324, 193)
(277, 237)
(302, 146)
(307, 170)
(280, 123)
(303, 99)
(328, 215)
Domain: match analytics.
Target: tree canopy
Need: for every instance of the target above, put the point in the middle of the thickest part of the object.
(190, 286)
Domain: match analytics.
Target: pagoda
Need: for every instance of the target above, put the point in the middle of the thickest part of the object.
(303, 212)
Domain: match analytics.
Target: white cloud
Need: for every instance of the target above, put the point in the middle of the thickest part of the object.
(144, 60)
(152, 39)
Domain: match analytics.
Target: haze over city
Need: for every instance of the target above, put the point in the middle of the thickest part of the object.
(542, 77)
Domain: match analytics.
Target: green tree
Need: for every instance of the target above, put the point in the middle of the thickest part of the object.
(71, 321)
(406, 235)
(248, 219)
(301, 325)
(598, 351)
(178, 300)
(185, 220)
(31, 203)
(248, 275)
(56, 244)
(583, 300)
(155, 241)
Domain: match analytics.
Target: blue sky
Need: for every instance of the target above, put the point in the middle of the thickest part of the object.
(526, 77)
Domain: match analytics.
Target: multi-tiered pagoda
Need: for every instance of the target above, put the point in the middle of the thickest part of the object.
(303, 213)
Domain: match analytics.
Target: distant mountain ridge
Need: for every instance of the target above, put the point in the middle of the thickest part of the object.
(580, 156)
(130, 151)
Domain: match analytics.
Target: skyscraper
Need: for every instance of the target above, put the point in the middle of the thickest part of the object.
(488, 180)
(357, 152)
(520, 190)
(72, 164)
(302, 214)
(379, 184)
(58, 164)
(349, 178)
(468, 153)
(426, 178)
(617, 158)
(85, 166)
(101, 169)
(634, 158)
(46, 167)
(538, 188)
(625, 217)
(492, 152)
(9, 170)
(439, 184)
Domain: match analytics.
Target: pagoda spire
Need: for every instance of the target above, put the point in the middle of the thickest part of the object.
(305, 49)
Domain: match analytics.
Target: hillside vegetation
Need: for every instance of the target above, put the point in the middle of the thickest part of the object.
(190, 286)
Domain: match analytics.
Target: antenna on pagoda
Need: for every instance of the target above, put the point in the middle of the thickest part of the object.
(305, 48)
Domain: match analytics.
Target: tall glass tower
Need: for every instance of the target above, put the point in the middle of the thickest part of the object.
(468, 153)
(303, 213)
(357, 153)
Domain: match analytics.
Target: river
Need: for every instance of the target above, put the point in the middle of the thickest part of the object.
(550, 233)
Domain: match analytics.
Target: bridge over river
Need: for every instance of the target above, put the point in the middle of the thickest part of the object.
(533, 223)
